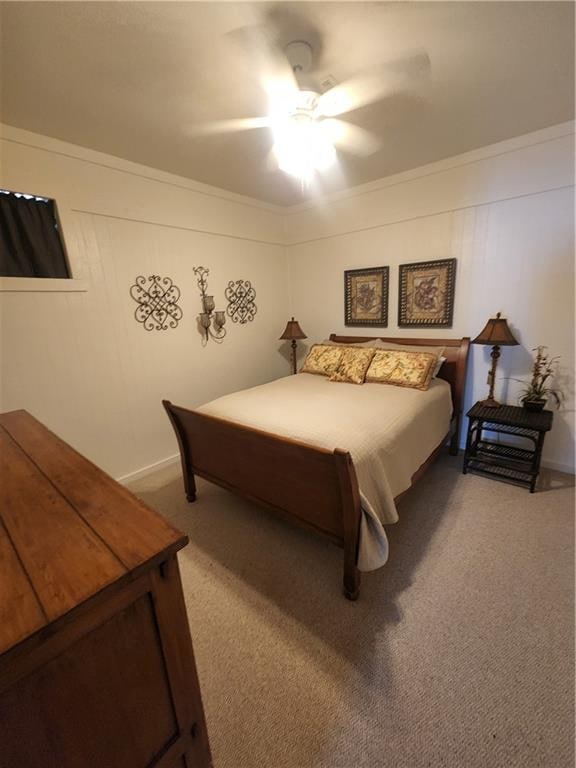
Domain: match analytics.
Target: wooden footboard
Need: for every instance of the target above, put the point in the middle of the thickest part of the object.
(314, 487)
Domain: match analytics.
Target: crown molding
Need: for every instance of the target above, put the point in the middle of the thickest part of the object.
(515, 144)
(77, 152)
(74, 151)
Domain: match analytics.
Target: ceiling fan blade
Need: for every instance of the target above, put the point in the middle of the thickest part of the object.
(274, 71)
(281, 90)
(229, 126)
(350, 137)
(358, 91)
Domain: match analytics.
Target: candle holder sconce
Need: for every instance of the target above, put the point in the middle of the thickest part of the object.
(211, 320)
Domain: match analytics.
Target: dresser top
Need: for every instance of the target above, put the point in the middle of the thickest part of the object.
(67, 529)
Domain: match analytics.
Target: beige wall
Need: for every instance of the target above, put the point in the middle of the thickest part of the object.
(78, 360)
(505, 212)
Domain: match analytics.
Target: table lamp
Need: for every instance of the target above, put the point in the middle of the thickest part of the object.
(497, 334)
(291, 333)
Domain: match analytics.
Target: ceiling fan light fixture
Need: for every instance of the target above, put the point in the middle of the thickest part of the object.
(307, 102)
(285, 101)
(302, 148)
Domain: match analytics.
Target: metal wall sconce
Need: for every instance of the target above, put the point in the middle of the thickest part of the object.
(211, 321)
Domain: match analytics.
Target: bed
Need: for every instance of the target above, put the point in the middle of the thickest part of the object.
(332, 457)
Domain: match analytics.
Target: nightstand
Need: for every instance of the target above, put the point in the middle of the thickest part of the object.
(506, 460)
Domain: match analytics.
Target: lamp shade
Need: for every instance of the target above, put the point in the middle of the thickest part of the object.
(496, 333)
(293, 331)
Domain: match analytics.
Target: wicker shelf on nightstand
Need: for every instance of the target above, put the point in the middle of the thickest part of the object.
(506, 460)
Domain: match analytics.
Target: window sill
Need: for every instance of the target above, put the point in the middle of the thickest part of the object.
(43, 284)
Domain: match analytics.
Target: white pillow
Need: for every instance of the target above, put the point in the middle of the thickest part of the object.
(439, 364)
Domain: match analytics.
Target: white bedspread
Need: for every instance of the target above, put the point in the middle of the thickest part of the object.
(389, 431)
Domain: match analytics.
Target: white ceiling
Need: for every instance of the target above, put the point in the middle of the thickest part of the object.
(132, 79)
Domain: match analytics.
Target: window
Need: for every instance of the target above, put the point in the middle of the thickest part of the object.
(31, 243)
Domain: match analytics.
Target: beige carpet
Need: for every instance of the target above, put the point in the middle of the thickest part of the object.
(458, 653)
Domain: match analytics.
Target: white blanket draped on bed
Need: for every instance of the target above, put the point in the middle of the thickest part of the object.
(389, 431)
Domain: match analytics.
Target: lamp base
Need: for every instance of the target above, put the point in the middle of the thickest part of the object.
(489, 403)
(294, 368)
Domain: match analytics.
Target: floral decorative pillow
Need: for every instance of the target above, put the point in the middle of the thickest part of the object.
(402, 369)
(322, 360)
(353, 365)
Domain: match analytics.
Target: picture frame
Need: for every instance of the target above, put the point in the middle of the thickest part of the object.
(366, 296)
(426, 291)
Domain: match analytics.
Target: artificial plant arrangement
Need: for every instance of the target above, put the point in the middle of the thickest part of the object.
(535, 394)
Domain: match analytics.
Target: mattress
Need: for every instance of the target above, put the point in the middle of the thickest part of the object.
(389, 431)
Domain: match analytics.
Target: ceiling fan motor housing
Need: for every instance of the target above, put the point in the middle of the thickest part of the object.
(299, 54)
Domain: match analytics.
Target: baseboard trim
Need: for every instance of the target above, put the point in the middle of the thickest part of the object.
(568, 469)
(148, 470)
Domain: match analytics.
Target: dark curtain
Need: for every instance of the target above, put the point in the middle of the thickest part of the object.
(30, 244)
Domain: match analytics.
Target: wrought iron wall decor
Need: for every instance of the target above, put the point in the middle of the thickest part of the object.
(241, 297)
(157, 298)
(211, 320)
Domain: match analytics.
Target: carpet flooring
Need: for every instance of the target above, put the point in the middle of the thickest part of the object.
(460, 651)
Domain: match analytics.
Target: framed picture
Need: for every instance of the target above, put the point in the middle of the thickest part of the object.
(426, 294)
(366, 296)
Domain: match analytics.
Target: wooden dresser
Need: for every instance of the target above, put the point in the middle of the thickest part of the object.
(96, 661)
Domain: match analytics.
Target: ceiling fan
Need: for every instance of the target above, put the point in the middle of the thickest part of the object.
(304, 115)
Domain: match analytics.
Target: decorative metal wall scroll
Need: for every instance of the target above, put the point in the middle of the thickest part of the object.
(157, 298)
(426, 294)
(212, 321)
(241, 298)
(366, 296)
